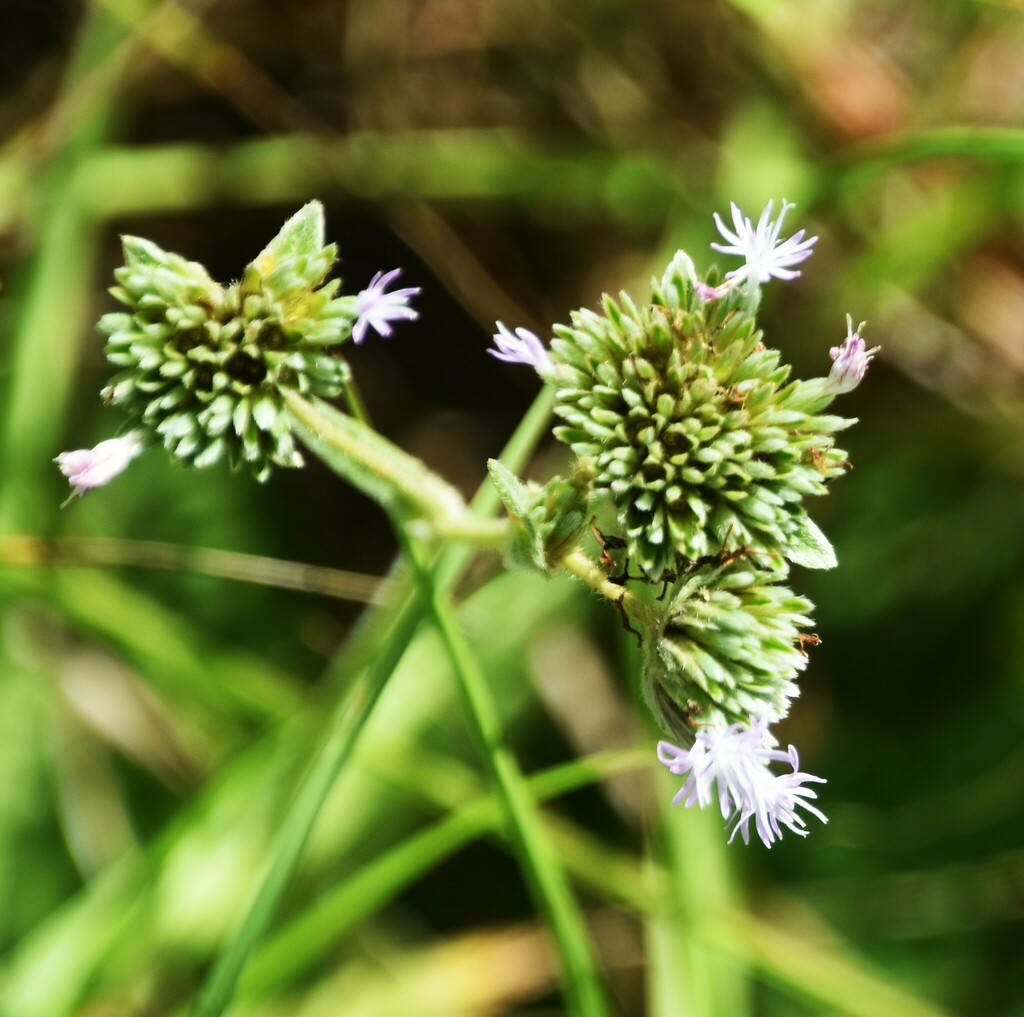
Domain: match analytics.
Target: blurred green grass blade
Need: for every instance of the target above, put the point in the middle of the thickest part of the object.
(722, 933)
(826, 975)
(270, 765)
(219, 690)
(55, 963)
(25, 820)
(308, 939)
(54, 295)
(490, 165)
(235, 682)
(260, 570)
(914, 249)
(328, 762)
(581, 986)
(686, 976)
(966, 141)
(42, 365)
(344, 727)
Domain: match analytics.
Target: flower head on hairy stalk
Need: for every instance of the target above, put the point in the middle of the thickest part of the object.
(87, 468)
(377, 308)
(850, 360)
(521, 347)
(765, 255)
(733, 763)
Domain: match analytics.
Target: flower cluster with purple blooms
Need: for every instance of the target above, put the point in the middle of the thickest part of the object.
(732, 762)
(736, 758)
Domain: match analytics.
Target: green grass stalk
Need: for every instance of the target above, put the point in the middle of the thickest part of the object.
(544, 874)
(346, 724)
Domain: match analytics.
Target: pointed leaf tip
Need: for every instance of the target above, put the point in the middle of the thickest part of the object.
(302, 234)
(811, 548)
(511, 490)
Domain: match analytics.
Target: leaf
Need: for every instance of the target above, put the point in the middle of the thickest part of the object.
(810, 547)
(511, 490)
(302, 234)
(526, 549)
(139, 252)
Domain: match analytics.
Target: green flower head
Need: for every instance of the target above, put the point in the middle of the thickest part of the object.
(689, 426)
(729, 646)
(203, 366)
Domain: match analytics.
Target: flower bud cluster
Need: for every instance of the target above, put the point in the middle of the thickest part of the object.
(203, 366)
(691, 438)
(690, 426)
(548, 519)
(728, 646)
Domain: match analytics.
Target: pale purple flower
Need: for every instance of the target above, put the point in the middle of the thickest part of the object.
(706, 292)
(378, 309)
(734, 762)
(849, 360)
(87, 468)
(765, 254)
(521, 347)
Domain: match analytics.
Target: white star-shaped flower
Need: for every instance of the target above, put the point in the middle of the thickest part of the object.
(766, 256)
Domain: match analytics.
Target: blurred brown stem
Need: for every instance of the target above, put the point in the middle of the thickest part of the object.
(37, 552)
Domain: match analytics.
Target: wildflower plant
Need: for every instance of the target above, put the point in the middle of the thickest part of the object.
(693, 451)
(694, 442)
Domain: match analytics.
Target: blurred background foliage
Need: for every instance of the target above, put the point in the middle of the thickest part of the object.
(516, 157)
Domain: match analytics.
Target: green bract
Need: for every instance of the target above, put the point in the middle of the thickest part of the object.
(204, 366)
(727, 644)
(547, 521)
(689, 426)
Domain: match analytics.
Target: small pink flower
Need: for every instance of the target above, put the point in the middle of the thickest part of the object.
(521, 347)
(849, 360)
(87, 468)
(377, 309)
(706, 292)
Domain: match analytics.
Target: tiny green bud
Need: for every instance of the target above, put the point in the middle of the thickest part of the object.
(547, 520)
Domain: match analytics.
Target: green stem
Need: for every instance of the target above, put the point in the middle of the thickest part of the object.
(384, 472)
(308, 938)
(369, 461)
(345, 726)
(577, 563)
(544, 874)
(354, 398)
(471, 529)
